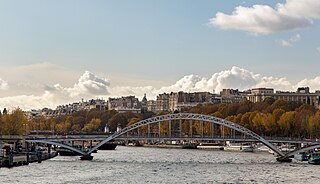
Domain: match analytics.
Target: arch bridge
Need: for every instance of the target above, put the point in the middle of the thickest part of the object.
(175, 127)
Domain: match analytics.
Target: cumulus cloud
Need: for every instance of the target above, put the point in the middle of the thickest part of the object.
(88, 86)
(312, 83)
(91, 86)
(3, 84)
(263, 19)
(236, 77)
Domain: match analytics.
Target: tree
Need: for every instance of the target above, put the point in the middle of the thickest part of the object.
(269, 100)
(314, 125)
(258, 123)
(93, 126)
(15, 123)
(287, 123)
(1, 125)
(277, 113)
(280, 104)
(245, 120)
(244, 107)
(118, 119)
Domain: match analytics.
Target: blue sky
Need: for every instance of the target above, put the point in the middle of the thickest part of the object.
(149, 43)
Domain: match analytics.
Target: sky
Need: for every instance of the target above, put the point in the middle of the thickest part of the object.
(56, 52)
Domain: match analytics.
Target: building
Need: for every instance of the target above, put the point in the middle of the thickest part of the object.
(181, 100)
(162, 102)
(125, 104)
(302, 95)
(144, 104)
(232, 96)
(152, 105)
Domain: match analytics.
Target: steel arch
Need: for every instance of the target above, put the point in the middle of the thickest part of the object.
(303, 150)
(58, 144)
(189, 116)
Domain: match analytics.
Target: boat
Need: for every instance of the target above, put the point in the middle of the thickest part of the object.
(314, 159)
(216, 146)
(239, 147)
(302, 157)
(108, 146)
(86, 157)
(283, 159)
(287, 148)
(67, 152)
(189, 146)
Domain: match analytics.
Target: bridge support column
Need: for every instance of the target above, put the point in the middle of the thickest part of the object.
(82, 145)
(190, 127)
(86, 157)
(159, 130)
(170, 128)
(201, 127)
(180, 127)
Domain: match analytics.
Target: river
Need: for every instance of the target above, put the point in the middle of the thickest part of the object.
(159, 165)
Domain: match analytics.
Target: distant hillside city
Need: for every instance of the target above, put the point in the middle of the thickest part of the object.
(178, 101)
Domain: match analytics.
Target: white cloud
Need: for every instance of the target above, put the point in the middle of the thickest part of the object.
(312, 83)
(318, 49)
(91, 86)
(295, 38)
(290, 42)
(263, 19)
(285, 43)
(88, 86)
(32, 78)
(3, 84)
(238, 78)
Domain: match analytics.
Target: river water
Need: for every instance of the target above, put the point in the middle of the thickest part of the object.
(159, 165)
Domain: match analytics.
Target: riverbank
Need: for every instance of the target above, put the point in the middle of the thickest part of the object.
(14, 160)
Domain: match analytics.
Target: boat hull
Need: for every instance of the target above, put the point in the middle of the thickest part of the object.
(284, 159)
(66, 152)
(314, 161)
(86, 157)
(189, 146)
(108, 146)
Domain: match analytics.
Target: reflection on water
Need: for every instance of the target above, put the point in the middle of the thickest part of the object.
(152, 165)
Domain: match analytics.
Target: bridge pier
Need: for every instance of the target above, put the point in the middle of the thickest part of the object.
(86, 157)
(283, 159)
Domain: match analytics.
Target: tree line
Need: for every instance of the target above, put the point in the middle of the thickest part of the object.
(268, 118)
